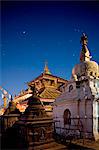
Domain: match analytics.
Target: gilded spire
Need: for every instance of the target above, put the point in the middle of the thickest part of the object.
(85, 54)
(46, 70)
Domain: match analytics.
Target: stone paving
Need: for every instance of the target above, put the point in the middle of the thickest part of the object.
(87, 143)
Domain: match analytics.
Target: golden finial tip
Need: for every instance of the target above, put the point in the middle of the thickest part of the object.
(46, 69)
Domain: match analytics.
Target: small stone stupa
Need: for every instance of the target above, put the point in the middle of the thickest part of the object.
(36, 127)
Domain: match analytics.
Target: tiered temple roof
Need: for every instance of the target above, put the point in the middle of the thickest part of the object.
(46, 86)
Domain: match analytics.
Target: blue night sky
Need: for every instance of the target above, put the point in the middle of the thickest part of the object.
(33, 32)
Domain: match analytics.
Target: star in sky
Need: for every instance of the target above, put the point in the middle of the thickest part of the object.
(24, 32)
(73, 55)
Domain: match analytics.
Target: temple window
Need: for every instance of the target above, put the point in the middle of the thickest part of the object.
(49, 82)
(78, 76)
(46, 103)
(52, 82)
(70, 88)
(77, 84)
(37, 83)
(91, 73)
(67, 117)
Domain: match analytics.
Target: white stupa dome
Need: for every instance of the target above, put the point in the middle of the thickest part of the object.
(87, 68)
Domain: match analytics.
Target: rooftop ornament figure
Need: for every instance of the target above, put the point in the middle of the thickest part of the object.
(84, 39)
(85, 54)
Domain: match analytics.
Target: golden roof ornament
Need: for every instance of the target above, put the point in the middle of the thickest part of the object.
(46, 70)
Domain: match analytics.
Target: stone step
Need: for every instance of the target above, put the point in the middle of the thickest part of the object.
(45, 146)
(57, 147)
(49, 146)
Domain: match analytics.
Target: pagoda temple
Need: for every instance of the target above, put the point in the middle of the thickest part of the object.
(46, 86)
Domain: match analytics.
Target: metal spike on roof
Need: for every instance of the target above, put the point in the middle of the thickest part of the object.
(46, 70)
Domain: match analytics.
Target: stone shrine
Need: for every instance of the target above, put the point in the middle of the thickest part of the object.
(37, 127)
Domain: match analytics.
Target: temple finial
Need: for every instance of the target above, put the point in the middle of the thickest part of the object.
(84, 39)
(85, 54)
(46, 70)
